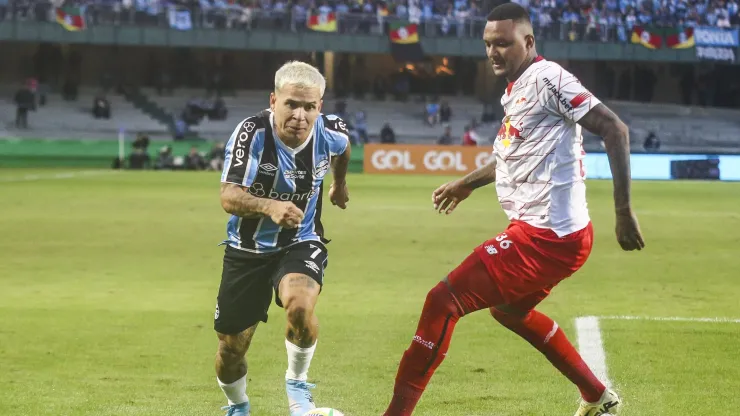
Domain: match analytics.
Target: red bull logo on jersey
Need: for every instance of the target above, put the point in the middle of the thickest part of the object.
(508, 132)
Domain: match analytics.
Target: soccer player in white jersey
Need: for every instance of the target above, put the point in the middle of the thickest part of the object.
(540, 181)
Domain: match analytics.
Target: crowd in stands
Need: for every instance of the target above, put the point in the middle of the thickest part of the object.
(605, 20)
(139, 158)
(434, 114)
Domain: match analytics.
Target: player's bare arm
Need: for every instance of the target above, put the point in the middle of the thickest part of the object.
(603, 122)
(236, 201)
(338, 192)
(480, 177)
(448, 196)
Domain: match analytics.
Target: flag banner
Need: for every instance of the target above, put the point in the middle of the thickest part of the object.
(71, 18)
(405, 44)
(322, 22)
(646, 38)
(180, 19)
(680, 38)
(714, 36)
(715, 53)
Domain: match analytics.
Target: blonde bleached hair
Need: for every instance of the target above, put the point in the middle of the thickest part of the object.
(299, 74)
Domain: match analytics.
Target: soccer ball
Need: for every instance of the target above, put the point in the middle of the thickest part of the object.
(324, 411)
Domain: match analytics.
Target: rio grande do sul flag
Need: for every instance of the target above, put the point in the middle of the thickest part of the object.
(680, 38)
(405, 45)
(646, 38)
(404, 33)
(322, 22)
(71, 18)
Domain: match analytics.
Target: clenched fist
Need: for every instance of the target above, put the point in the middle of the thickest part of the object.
(629, 235)
(339, 194)
(285, 214)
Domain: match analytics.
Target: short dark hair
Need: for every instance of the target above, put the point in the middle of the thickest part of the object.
(509, 11)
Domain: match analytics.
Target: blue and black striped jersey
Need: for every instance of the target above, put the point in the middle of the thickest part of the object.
(260, 162)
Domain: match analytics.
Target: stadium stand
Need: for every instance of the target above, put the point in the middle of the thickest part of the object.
(406, 118)
(574, 20)
(65, 119)
(679, 128)
(682, 128)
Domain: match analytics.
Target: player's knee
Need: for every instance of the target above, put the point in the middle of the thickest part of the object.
(508, 319)
(299, 314)
(442, 298)
(232, 348)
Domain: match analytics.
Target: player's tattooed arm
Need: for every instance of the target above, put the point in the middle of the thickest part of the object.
(339, 166)
(236, 201)
(603, 122)
(338, 191)
(448, 196)
(482, 176)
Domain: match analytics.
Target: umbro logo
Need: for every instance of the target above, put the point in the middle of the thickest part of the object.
(311, 265)
(268, 168)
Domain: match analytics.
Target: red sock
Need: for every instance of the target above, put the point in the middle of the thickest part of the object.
(545, 335)
(429, 347)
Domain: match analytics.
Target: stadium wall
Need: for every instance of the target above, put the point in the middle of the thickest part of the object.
(374, 159)
(460, 160)
(98, 154)
(254, 69)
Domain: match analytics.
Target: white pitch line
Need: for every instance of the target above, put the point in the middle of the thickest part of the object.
(672, 318)
(592, 347)
(65, 175)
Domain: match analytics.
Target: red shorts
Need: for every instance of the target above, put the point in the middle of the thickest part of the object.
(519, 267)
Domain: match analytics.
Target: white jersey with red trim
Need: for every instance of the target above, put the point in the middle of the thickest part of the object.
(539, 153)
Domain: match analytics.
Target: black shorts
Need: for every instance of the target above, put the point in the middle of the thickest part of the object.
(248, 281)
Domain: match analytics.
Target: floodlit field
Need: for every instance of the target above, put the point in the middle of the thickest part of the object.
(109, 283)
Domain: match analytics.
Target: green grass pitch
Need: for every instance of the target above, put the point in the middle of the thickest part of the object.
(109, 282)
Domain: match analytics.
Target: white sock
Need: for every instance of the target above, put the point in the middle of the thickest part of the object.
(299, 359)
(235, 392)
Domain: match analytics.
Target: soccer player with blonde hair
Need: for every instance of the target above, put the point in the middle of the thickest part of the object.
(272, 185)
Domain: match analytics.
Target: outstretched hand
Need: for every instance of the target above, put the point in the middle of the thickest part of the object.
(448, 196)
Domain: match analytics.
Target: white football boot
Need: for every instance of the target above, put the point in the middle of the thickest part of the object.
(608, 405)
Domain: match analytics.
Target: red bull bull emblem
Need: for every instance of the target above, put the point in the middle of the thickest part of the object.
(507, 132)
(520, 101)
